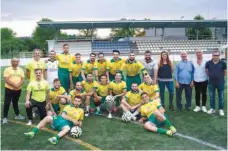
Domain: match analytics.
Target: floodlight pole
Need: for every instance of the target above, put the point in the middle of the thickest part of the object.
(197, 33)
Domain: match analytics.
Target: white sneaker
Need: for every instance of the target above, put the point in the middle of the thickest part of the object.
(29, 122)
(211, 111)
(4, 121)
(109, 115)
(19, 117)
(221, 112)
(204, 109)
(133, 118)
(87, 113)
(197, 109)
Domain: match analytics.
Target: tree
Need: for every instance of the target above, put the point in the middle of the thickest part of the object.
(40, 35)
(7, 34)
(10, 45)
(87, 33)
(203, 33)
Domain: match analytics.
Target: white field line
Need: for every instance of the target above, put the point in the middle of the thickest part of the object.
(181, 135)
(176, 134)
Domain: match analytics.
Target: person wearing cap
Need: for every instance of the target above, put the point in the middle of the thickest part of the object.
(14, 79)
(183, 76)
(200, 81)
(216, 70)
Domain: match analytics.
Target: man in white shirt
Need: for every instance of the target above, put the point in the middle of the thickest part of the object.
(52, 68)
(200, 81)
(150, 66)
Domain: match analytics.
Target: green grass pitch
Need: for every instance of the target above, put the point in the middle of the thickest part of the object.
(107, 134)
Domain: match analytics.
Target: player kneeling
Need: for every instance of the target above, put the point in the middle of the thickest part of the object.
(150, 111)
(57, 99)
(71, 115)
(130, 103)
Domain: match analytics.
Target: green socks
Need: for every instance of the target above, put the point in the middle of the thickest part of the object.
(35, 130)
(167, 122)
(161, 131)
(57, 137)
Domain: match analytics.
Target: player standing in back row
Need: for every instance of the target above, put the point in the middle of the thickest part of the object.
(52, 68)
(65, 60)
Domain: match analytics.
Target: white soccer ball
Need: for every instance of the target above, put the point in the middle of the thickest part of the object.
(76, 131)
(126, 117)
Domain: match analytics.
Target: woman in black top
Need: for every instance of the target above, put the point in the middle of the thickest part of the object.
(165, 70)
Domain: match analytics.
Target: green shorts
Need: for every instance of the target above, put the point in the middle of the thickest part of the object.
(63, 75)
(56, 108)
(59, 122)
(77, 79)
(132, 79)
(155, 121)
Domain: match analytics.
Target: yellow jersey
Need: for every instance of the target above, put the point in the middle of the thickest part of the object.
(148, 108)
(89, 66)
(65, 60)
(75, 69)
(102, 90)
(114, 66)
(133, 98)
(14, 76)
(73, 112)
(88, 87)
(54, 92)
(33, 65)
(38, 90)
(150, 89)
(132, 69)
(74, 93)
(117, 88)
(102, 67)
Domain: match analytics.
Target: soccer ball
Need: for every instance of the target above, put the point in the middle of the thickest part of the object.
(126, 117)
(75, 131)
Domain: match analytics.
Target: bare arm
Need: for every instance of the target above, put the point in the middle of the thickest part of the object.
(9, 82)
(122, 94)
(83, 75)
(28, 73)
(107, 74)
(155, 76)
(96, 75)
(71, 81)
(45, 74)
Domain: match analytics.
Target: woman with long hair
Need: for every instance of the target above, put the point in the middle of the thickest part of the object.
(164, 77)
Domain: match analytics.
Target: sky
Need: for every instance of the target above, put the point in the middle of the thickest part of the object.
(22, 15)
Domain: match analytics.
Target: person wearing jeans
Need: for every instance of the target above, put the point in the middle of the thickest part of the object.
(216, 70)
(200, 81)
(165, 70)
(14, 78)
(183, 75)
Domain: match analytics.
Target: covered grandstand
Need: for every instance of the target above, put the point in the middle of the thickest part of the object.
(156, 43)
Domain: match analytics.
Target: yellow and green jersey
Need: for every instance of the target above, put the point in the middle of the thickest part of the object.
(114, 66)
(75, 68)
(54, 92)
(73, 112)
(148, 109)
(102, 67)
(14, 76)
(150, 89)
(38, 90)
(33, 65)
(89, 86)
(117, 87)
(89, 66)
(75, 93)
(133, 98)
(102, 90)
(65, 60)
(132, 68)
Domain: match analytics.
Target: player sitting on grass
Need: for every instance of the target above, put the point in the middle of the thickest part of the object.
(71, 115)
(132, 101)
(88, 86)
(100, 93)
(57, 98)
(150, 111)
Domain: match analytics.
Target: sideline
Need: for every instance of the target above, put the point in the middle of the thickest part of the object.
(180, 135)
(78, 141)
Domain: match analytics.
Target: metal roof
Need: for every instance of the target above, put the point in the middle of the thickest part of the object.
(133, 24)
